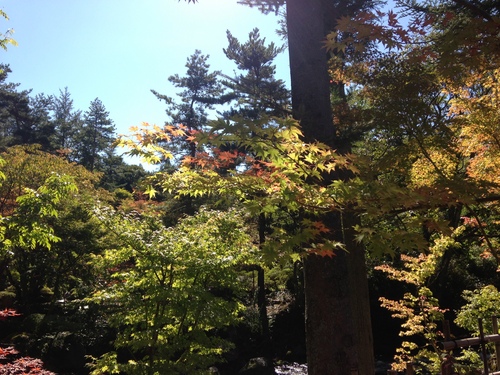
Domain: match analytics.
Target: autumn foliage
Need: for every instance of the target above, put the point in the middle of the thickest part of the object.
(12, 363)
(415, 93)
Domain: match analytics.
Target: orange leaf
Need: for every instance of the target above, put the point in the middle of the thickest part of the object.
(322, 252)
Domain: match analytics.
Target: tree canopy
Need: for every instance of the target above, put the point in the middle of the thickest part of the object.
(376, 172)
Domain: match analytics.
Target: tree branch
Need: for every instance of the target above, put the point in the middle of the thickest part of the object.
(474, 9)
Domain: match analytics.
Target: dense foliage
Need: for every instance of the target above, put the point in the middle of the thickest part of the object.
(169, 291)
(152, 274)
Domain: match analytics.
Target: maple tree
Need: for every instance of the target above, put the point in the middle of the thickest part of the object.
(427, 164)
(46, 229)
(7, 313)
(22, 365)
(28, 232)
(276, 174)
(411, 176)
(6, 37)
(393, 148)
(163, 288)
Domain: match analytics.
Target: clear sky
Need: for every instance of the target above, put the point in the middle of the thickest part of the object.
(118, 50)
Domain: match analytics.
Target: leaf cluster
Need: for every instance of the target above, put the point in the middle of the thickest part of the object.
(277, 173)
(163, 289)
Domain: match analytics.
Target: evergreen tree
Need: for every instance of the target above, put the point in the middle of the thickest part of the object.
(95, 138)
(257, 91)
(66, 120)
(43, 119)
(38, 127)
(14, 111)
(118, 174)
(201, 91)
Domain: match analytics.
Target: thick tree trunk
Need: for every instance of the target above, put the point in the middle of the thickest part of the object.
(308, 68)
(338, 329)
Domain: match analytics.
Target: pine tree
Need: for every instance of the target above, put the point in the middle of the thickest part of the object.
(339, 338)
(14, 111)
(201, 90)
(95, 137)
(257, 91)
(39, 127)
(67, 121)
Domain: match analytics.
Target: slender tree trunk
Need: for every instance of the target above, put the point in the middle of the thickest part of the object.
(338, 328)
(261, 291)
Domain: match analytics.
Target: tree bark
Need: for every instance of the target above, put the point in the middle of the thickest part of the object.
(308, 69)
(338, 327)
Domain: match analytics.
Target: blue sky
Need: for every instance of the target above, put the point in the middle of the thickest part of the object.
(118, 50)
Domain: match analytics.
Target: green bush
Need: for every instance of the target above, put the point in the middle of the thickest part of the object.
(481, 303)
(162, 291)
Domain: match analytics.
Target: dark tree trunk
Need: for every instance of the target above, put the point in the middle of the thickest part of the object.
(308, 68)
(338, 328)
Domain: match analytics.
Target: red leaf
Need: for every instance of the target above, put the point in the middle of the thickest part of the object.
(7, 313)
(320, 227)
(322, 252)
(393, 21)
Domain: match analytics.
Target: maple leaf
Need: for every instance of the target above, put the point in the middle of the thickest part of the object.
(321, 252)
(7, 313)
(392, 19)
(6, 352)
(169, 128)
(320, 227)
(227, 156)
(448, 17)
(178, 133)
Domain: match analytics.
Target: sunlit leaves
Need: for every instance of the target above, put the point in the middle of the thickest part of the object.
(29, 167)
(275, 171)
(433, 166)
(163, 288)
(46, 233)
(475, 109)
(146, 142)
(6, 38)
(419, 311)
(28, 226)
(481, 303)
